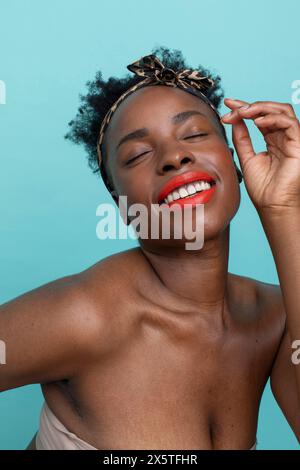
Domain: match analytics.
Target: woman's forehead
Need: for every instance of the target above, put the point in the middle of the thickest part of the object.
(150, 104)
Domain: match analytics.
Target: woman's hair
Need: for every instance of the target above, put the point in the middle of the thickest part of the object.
(101, 95)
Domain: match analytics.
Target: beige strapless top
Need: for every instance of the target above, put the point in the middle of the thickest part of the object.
(53, 435)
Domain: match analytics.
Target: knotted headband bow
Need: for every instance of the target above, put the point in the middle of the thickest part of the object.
(156, 73)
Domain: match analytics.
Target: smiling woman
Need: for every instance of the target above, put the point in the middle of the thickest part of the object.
(160, 347)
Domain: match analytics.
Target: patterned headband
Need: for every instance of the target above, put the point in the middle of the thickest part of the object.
(156, 73)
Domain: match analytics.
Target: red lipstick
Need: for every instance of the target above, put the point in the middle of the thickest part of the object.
(188, 177)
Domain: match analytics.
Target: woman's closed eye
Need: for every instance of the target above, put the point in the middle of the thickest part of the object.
(144, 153)
(195, 135)
(137, 156)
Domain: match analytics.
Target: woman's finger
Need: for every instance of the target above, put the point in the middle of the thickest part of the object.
(247, 112)
(275, 122)
(263, 106)
(242, 143)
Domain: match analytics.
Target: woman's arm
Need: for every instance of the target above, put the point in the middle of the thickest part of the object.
(272, 179)
(49, 333)
(284, 385)
(283, 233)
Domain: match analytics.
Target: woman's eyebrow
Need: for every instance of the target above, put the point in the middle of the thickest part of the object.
(144, 132)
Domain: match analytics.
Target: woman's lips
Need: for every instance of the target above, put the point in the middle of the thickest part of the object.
(199, 198)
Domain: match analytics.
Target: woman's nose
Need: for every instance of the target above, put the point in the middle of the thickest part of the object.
(175, 161)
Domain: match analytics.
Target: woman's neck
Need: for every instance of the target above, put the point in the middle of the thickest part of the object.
(200, 277)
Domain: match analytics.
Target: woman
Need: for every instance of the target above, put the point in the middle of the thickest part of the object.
(159, 346)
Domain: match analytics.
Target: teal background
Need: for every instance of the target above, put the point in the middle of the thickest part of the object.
(48, 194)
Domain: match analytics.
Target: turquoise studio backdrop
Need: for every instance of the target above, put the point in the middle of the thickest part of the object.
(49, 195)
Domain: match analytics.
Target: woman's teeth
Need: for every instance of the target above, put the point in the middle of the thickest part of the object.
(187, 190)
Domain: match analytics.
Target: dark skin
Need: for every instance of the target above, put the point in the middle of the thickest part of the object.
(189, 341)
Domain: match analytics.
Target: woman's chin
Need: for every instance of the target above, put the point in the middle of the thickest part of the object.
(193, 240)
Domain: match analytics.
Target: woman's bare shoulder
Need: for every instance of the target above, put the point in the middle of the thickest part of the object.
(43, 325)
(95, 282)
(116, 263)
(114, 273)
(262, 291)
(266, 299)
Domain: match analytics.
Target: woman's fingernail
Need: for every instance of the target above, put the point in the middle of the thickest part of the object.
(245, 106)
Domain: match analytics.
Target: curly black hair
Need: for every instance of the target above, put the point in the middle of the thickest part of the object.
(101, 95)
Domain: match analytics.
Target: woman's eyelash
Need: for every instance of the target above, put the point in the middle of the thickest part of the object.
(195, 135)
(133, 158)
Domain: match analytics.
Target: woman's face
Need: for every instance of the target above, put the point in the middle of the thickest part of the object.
(160, 148)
